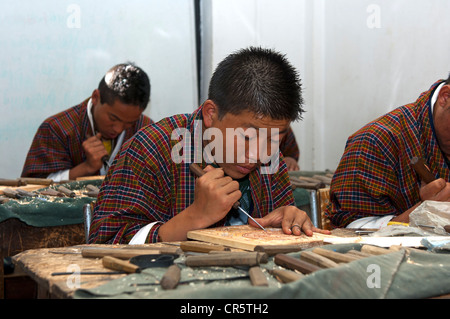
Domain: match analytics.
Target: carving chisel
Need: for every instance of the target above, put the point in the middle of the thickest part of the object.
(199, 172)
(421, 169)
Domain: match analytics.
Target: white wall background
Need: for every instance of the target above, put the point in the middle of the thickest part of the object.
(358, 59)
(54, 53)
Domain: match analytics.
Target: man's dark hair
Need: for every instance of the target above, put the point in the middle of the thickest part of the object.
(258, 80)
(126, 82)
(448, 80)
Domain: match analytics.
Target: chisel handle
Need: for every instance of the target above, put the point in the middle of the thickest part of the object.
(199, 172)
(119, 264)
(421, 169)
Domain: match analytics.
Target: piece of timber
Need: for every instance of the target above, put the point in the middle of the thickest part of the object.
(119, 264)
(37, 181)
(11, 193)
(201, 247)
(51, 192)
(272, 250)
(171, 277)
(286, 276)
(317, 259)
(92, 188)
(126, 253)
(12, 182)
(374, 250)
(257, 277)
(25, 193)
(66, 191)
(290, 262)
(357, 254)
(228, 259)
(335, 256)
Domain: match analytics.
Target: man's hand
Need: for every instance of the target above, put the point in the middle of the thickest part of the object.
(292, 220)
(437, 190)
(292, 164)
(215, 194)
(95, 151)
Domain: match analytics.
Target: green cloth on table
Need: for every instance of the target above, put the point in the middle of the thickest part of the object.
(46, 211)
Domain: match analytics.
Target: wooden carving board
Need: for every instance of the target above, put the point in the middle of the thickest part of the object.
(247, 237)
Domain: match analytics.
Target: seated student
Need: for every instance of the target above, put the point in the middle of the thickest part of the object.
(374, 182)
(78, 141)
(290, 150)
(150, 191)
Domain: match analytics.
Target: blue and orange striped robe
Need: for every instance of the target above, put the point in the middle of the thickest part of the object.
(57, 143)
(374, 176)
(145, 185)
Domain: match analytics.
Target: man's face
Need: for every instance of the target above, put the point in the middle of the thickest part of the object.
(111, 120)
(248, 141)
(441, 118)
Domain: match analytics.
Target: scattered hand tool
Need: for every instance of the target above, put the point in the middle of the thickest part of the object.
(119, 264)
(25, 193)
(257, 276)
(12, 182)
(227, 259)
(419, 166)
(201, 247)
(199, 172)
(51, 192)
(290, 262)
(335, 256)
(66, 191)
(137, 263)
(317, 259)
(171, 278)
(36, 181)
(286, 276)
(92, 190)
(374, 250)
(126, 253)
(11, 193)
(272, 250)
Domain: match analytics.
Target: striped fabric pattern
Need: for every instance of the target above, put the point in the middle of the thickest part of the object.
(57, 143)
(145, 185)
(374, 176)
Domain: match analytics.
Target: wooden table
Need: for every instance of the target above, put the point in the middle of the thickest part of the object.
(40, 264)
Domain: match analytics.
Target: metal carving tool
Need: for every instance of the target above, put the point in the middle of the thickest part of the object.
(199, 172)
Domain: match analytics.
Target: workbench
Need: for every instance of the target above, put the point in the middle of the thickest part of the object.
(403, 274)
(40, 221)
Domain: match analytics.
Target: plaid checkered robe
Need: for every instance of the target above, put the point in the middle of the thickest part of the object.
(374, 176)
(289, 147)
(57, 143)
(145, 185)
